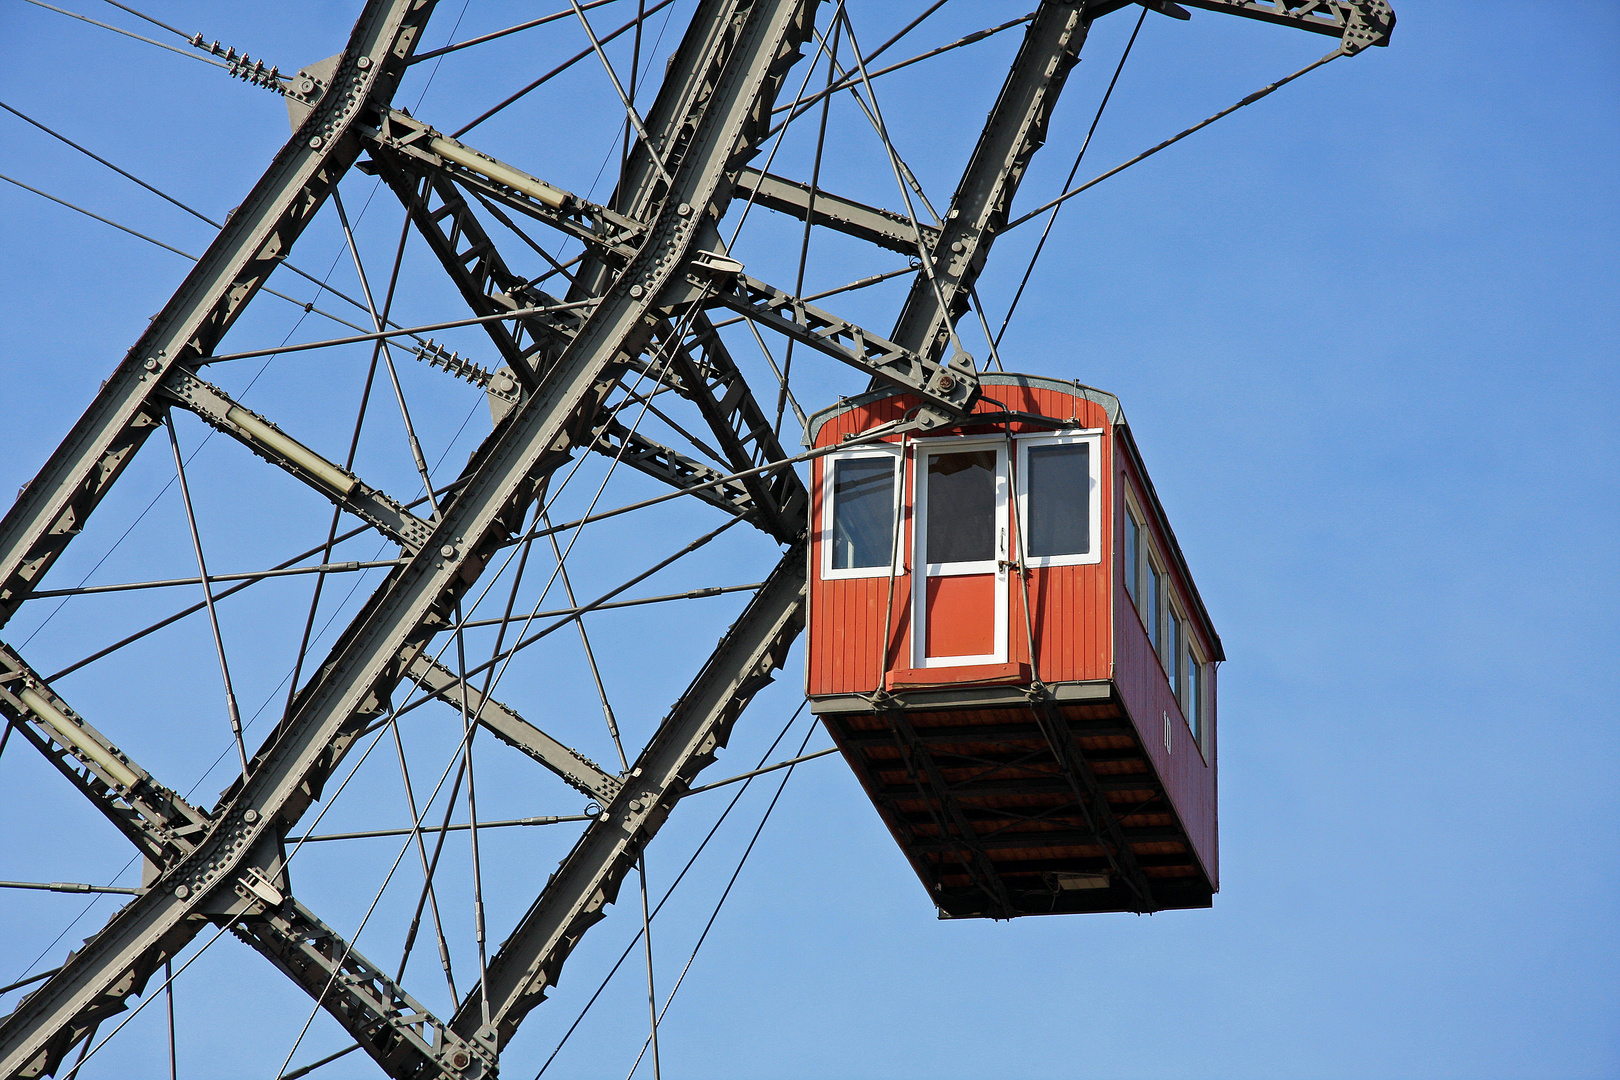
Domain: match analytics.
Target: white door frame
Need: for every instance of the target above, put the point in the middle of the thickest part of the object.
(921, 450)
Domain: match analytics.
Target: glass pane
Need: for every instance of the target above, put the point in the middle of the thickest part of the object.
(1059, 494)
(1150, 605)
(863, 512)
(1194, 706)
(1173, 659)
(962, 506)
(1133, 556)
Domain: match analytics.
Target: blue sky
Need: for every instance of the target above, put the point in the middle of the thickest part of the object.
(1364, 331)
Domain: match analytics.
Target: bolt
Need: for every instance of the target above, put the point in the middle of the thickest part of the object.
(460, 1059)
(306, 86)
(636, 291)
(364, 63)
(684, 209)
(250, 815)
(181, 892)
(315, 143)
(151, 364)
(448, 551)
(947, 382)
(956, 246)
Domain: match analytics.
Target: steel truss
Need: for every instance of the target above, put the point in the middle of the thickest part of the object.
(638, 302)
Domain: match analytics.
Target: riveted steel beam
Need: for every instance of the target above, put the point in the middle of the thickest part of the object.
(475, 263)
(591, 223)
(1356, 23)
(703, 371)
(673, 468)
(885, 228)
(157, 821)
(578, 770)
(948, 390)
(394, 1028)
(215, 408)
(354, 685)
(445, 220)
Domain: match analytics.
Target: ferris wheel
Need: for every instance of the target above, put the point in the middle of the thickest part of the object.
(462, 400)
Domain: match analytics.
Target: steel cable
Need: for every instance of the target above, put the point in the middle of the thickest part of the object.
(1030, 269)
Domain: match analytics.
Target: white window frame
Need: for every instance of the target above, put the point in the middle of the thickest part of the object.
(893, 454)
(1091, 437)
(1198, 706)
(1154, 622)
(920, 450)
(1130, 555)
(1179, 628)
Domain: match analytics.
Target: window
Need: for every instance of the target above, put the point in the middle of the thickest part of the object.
(1175, 635)
(1133, 553)
(961, 507)
(1151, 603)
(1059, 498)
(1192, 705)
(861, 503)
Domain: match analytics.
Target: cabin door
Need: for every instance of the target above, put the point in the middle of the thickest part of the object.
(959, 599)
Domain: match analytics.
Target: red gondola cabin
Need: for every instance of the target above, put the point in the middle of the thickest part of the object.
(1008, 649)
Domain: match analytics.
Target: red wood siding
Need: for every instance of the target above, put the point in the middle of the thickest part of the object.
(1068, 604)
(1186, 769)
